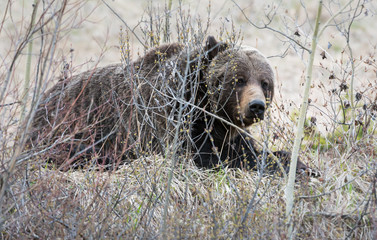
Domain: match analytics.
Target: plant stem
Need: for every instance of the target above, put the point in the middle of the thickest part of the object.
(289, 191)
(28, 63)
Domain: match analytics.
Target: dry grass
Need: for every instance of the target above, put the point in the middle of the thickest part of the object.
(38, 201)
(129, 203)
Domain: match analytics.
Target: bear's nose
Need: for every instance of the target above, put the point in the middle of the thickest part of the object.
(257, 107)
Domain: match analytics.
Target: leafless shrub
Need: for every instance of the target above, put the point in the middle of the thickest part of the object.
(166, 195)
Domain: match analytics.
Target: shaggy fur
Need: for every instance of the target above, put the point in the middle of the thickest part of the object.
(122, 112)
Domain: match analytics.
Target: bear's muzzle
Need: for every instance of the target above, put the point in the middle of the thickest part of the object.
(256, 110)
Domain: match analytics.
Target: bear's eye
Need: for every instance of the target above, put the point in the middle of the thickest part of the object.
(241, 82)
(265, 85)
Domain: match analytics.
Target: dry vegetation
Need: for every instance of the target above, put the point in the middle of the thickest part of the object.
(149, 198)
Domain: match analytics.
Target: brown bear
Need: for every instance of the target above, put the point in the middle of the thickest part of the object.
(196, 98)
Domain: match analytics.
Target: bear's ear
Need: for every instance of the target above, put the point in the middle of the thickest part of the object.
(213, 47)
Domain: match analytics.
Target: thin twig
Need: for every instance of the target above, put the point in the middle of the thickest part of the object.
(124, 22)
(266, 26)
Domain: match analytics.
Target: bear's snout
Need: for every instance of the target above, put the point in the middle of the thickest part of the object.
(257, 108)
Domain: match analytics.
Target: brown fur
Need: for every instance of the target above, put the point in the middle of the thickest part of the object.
(116, 113)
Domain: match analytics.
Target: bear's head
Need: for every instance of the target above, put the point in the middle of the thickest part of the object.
(240, 84)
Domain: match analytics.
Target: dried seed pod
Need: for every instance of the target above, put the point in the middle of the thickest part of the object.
(343, 86)
(323, 54)
(346, 104)
(358, 96)
(313, 120)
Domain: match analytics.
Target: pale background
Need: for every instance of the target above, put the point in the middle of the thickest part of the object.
(95, 39)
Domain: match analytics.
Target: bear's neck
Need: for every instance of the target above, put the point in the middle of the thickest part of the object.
(215, 128)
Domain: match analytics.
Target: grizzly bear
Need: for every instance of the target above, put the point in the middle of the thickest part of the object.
(197, 98)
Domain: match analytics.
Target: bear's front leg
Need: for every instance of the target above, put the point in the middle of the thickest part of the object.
(243, 149)
(285, 158)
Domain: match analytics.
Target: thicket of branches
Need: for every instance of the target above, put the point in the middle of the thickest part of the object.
(167, 196)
